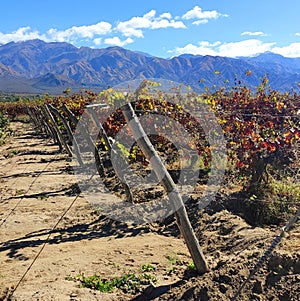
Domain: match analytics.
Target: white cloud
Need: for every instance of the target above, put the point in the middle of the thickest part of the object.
(117, 41)
(21, 34)
(95, 33)
(134, 27)
(78, 32)
(198, 13)
(90, 31)
(166, 16)
(198, 22)
(292, 50)
(97, 41)
(166, 23)
(150, 15)
(194, 49)
(244, 48)
(69, 35)
(103, 32)
(253, 33)
(125, 32)
(58, 36)
(249, 47)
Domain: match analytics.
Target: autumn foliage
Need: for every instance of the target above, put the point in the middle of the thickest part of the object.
(260, 125)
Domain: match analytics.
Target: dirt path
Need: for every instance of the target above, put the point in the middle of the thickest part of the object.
(37, 187)
(36, 179)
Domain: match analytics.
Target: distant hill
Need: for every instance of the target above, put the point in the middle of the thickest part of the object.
(37, 67)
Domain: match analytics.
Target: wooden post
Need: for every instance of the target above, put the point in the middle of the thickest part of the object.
(70, 114)
(64, 121)
(69, 131)
(89, 140)
(39, 120)
(50, 126)
(59, 135)
(182, 219)
(90, 109)
(34, 119)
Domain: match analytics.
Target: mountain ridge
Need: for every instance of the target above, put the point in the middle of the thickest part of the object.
(51, 67)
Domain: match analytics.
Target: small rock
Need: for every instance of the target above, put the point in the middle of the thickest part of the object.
(255, 297)
(224, 279)
(257, 287)
(223, 288)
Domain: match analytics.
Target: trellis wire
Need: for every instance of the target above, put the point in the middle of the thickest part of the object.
(11, 293)
(50, 232)
(268, 252)
(235, 113)
(24, 195)
(30, 186)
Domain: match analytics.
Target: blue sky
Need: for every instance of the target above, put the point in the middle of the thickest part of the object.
(163, 28)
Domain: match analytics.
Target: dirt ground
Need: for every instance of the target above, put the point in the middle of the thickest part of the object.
(44, 246)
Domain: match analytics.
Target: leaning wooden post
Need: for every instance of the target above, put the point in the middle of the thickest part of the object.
(34, 119)
(90, 109)
(56, 128)
(182, 219)
(50, 126)
(69, 131)
(64, 121)
(70, 114)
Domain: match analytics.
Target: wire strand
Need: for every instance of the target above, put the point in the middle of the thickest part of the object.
(268, 252)
(42, 248)
(28, 189)
(24, 196)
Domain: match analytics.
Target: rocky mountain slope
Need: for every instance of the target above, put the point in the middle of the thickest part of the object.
(35, 66)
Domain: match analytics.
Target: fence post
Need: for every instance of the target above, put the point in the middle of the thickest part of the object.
(182, 219)
(69, 132)
(59, 135)
(50, 126)
(90, 109)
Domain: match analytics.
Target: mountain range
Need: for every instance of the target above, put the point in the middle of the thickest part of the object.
(38, 67)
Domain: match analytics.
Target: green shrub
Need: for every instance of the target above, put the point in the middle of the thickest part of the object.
(129, 283)
(4, 122)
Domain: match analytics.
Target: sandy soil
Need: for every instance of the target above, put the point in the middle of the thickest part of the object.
(37, 187)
